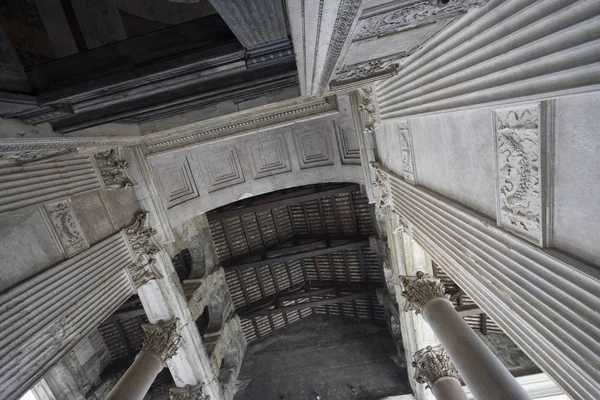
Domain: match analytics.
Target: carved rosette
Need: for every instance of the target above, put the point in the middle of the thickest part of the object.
(142, 245)
(161, 339)
(408, 163)
(431, 364)
(382, 183)
(519, 164)
(418, 290)
(112, 169)
(189, 393)
(367, 104)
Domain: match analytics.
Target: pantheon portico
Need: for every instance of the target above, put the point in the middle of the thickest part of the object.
(292, 199)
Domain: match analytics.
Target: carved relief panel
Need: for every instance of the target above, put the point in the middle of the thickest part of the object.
(520, 143)
(408, 162)
(64, 224)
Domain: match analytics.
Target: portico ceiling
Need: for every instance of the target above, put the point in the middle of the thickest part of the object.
(299, 252)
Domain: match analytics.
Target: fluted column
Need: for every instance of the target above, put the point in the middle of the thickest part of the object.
(481, 370)
(434, 368)
(161, 343)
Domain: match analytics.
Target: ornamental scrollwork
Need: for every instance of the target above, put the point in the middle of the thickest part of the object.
(189, 393)
(112, 169)
(162, 339)
(415, 14)
(431, 364)
(519, 170)
(420, 289)
(408, 162)
(379, 69)
(65, 225)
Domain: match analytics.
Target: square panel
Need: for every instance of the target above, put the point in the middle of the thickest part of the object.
(347, 144)
(178, 183)
(222, 168)
(313, 148)
(269, 156)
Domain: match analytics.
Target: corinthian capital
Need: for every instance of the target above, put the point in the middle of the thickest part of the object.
(431, 364)
(419, 290)
(189, 393)
(140, 236)
(162, 339)
(112, 169)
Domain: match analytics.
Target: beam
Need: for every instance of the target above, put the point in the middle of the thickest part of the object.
(310, 304)
(286, 257)
(123, 315)
(286, 201)
(465, 311)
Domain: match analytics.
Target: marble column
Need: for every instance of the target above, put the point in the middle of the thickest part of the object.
(161, 343)
(434, 368)
(481, 370)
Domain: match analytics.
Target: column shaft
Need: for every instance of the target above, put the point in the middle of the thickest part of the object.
(448, 388)
(136, 382)
(481, 370)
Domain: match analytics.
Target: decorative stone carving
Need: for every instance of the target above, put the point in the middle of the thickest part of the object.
(178, 182)
(415, 14)
(347, 13)
(112, 169)
(269, 156)
(24, 157)
(348, 144)
(161, 339)
(189, 393)
(367, 104)
(419, 290)
(408, 162)
(139, 236)
(519, 164)
(66, 227)
(382, 183)
(431, 364)
(223, 168)
(378, 69)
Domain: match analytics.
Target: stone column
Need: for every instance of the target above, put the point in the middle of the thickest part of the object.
(162, 341)
(434, 368)
(481, 370)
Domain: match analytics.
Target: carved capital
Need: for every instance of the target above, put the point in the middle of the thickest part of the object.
(419, 290)
(189, 393)
(140, 236)
(382, 183)
(431, 364)
(112, 169)
(140, 239)
(162, 339)
(367, 104)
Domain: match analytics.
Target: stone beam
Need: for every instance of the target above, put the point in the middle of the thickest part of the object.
(260, 26)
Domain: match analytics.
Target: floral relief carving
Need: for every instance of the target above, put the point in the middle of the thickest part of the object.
(414, 14)
(431, 364)
(519, 170)
(373, 69)
(113, 169)
(408, 162)
(66, 227)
